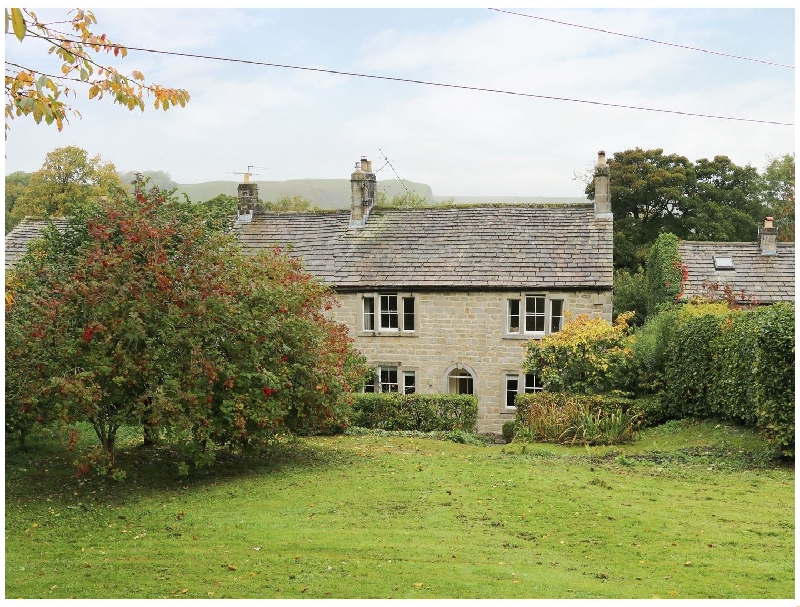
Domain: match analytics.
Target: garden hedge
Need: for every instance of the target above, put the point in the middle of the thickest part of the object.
(421, 412)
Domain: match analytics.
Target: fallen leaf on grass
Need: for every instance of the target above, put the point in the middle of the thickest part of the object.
(418, 585)
(232, 567)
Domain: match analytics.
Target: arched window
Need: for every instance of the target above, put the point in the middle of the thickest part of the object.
(460, 381)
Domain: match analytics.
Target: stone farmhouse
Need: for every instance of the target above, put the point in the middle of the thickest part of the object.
(445, 299)
(762, 271)
(441, 299)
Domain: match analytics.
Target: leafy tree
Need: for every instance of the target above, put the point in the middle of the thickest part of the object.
(288, 203)
(16, 184)
(144, 312)
(722, 202)
(68, 179)
(777, 194)
(587, 356)
(157, 178)
(36, 92)
(222, 205)
(653, 193)
(648, 190)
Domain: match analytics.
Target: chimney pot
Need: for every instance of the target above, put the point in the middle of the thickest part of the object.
(362, 193)
(602, 193)
(768, 238)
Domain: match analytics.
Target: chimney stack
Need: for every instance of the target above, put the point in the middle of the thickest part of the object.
(769, 238)
(248, 200)
(602, 194)
(362, 193)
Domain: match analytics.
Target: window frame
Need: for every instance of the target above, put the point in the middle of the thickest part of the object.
(516, 311)
(388, 308)
(402, 375)
(523, 386)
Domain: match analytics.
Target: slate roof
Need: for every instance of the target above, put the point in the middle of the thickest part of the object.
(494, 247)
(768, 278)
(27, 230)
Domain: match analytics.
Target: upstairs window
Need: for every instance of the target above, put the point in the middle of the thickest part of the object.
(534, 314)
(389, 312)
(369, 313)
(527, 315)
(513, 315)
(408, 314)
(556, 315)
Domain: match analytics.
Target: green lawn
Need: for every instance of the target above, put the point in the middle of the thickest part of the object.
(692, 510)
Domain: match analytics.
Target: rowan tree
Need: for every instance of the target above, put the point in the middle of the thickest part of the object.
(145, 312)
(41, 92)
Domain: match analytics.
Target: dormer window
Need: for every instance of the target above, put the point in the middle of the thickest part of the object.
(723, 263)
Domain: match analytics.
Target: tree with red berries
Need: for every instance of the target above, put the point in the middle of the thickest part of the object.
(144, 312)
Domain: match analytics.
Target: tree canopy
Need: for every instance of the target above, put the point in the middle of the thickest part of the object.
(68, 179)
(145, 312)
(34, 91)
(654, 193)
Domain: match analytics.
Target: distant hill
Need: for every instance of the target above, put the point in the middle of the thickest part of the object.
(513, 199)
(324, 193)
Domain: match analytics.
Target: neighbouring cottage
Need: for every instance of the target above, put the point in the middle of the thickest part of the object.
(441, 299)
(762, 271)
(445, 299)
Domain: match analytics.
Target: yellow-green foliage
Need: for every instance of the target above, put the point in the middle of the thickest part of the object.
(575, 418)
(587, 356)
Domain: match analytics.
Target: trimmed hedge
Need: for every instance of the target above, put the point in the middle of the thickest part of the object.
(568, 418)
(773, 373)
(421, 412)
(709, 361)
(688, 374)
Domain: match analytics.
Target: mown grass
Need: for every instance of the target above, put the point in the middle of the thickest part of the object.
(692, 510)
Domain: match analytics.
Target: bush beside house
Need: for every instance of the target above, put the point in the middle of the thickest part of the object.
(420, 412)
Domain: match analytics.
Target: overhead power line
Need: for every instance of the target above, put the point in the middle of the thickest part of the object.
(392, 167)
(597, 29)
(455, 86)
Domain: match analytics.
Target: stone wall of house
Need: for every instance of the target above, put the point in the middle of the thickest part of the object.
(465, 330)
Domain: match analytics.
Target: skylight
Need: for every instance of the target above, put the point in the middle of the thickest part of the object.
(723, 263)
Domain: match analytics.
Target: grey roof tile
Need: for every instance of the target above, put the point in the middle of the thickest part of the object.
(769, 278)
(28, 230)
(518, 246)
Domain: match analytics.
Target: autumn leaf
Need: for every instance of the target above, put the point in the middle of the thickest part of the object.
(17, 23)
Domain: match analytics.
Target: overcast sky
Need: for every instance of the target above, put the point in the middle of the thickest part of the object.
(294, 124)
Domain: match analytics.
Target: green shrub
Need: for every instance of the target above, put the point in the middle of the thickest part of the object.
(588, 355)
(508, 431)
(732, 391)
(664, 273)
(688, 361)
(421, 412)
(566, 418)
(649, 344)
(774, 374)
(652, 410)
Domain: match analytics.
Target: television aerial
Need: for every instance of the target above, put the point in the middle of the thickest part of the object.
(247, 174)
